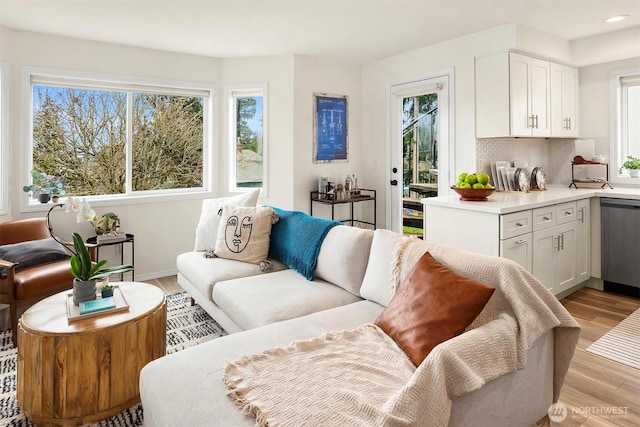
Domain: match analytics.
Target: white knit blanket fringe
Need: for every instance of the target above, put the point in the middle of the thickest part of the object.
(361, 378)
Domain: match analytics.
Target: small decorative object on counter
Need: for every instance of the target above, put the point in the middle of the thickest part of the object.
(632, 164)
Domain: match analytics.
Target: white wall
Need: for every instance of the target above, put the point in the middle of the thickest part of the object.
(416, 65)
(164, 229)
(316, 75)
(278, 73)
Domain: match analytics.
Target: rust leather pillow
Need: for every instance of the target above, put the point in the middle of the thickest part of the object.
(432, 305)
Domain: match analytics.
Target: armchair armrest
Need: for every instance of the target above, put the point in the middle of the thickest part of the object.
(7, 264)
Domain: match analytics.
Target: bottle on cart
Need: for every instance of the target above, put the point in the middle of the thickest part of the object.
(348, 183)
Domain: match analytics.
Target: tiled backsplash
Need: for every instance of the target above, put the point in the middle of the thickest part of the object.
(554, 155)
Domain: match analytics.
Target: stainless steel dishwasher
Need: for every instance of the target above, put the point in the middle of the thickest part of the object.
(620, 235)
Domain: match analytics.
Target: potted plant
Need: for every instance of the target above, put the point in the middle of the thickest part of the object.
(44, 187)
(108, 223)
(107, 291)
(632, 164)
(86, 272)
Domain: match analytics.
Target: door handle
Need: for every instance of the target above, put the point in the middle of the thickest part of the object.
(394, 182)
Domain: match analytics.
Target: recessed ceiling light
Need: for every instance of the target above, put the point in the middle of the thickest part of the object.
(616, 18)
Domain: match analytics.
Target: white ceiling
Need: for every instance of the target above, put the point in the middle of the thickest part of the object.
(353, 30)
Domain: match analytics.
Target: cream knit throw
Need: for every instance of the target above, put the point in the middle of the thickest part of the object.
(361, 378)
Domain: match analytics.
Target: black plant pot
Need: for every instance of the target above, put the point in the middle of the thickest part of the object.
(107, 293)
(44, 197)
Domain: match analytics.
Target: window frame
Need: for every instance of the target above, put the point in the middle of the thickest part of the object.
(231, 93)
(125, 83)
(617, 137)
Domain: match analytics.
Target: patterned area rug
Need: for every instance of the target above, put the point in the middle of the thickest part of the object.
(186, 326)
(621, 343)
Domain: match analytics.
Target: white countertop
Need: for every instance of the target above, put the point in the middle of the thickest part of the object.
(507, 202)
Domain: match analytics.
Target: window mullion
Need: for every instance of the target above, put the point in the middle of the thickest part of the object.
(129, 148)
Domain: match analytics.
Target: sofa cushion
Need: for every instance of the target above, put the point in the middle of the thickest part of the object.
(207, 229)
(243, 234)
(33, 252)
(252, 302)
(343, 257)
(204, 273)
(432, 305)
(377, 282)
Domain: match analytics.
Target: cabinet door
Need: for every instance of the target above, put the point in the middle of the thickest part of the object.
(583, 241)
(564, 262)
(540, 109)
(564, 101)
(545, 245)
(570, 101)
(518, 249)
(520, 94)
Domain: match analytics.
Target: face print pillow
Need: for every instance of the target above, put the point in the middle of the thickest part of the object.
(243, 233)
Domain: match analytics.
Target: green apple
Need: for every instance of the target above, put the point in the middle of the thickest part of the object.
(478, 186)
(465, 185)
(483, 178)
(471, 179)
(488, 185)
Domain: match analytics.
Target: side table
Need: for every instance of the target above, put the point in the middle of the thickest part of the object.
(80, 372)
(129, 238)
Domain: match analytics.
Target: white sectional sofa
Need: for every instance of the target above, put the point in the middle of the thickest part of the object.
(351, 287)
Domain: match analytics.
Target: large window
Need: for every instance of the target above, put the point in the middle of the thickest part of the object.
(247, 137)
(625, 126)
(100, 138)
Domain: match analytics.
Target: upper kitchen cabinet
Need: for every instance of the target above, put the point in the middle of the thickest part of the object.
(564, 101)
(515, 96)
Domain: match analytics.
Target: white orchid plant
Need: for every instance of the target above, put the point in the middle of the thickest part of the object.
(82, 267)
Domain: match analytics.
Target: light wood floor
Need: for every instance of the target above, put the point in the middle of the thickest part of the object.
(593, 381)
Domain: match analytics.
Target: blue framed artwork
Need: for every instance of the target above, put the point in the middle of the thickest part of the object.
(330, 128)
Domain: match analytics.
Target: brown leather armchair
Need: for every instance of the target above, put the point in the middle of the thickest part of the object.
(23, 288)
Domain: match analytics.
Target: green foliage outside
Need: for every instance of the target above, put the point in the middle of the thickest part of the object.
(420, 131)
(80, 136)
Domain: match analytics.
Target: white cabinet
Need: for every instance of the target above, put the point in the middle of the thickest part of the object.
(515, 238)
(554, 248)
(564, 101)
(519, 249)
(518, 95)
(583, 241)
(551, 242)
(530, 93)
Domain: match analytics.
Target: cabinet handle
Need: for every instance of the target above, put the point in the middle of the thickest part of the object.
(561, 242)
(567, 213)
(556, 240)
(581, 215)
(546, 218)
(518, 224)
(536, 117)
(530, 122)
(569, 120)
(520, 242)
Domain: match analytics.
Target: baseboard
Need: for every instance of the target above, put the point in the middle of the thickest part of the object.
(619, 288)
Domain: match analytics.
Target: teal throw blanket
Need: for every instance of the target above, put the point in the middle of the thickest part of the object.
(296, 239)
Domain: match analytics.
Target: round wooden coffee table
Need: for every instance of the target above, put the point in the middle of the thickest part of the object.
(82, 371)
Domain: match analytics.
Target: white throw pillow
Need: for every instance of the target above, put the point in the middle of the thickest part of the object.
(207, 229)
